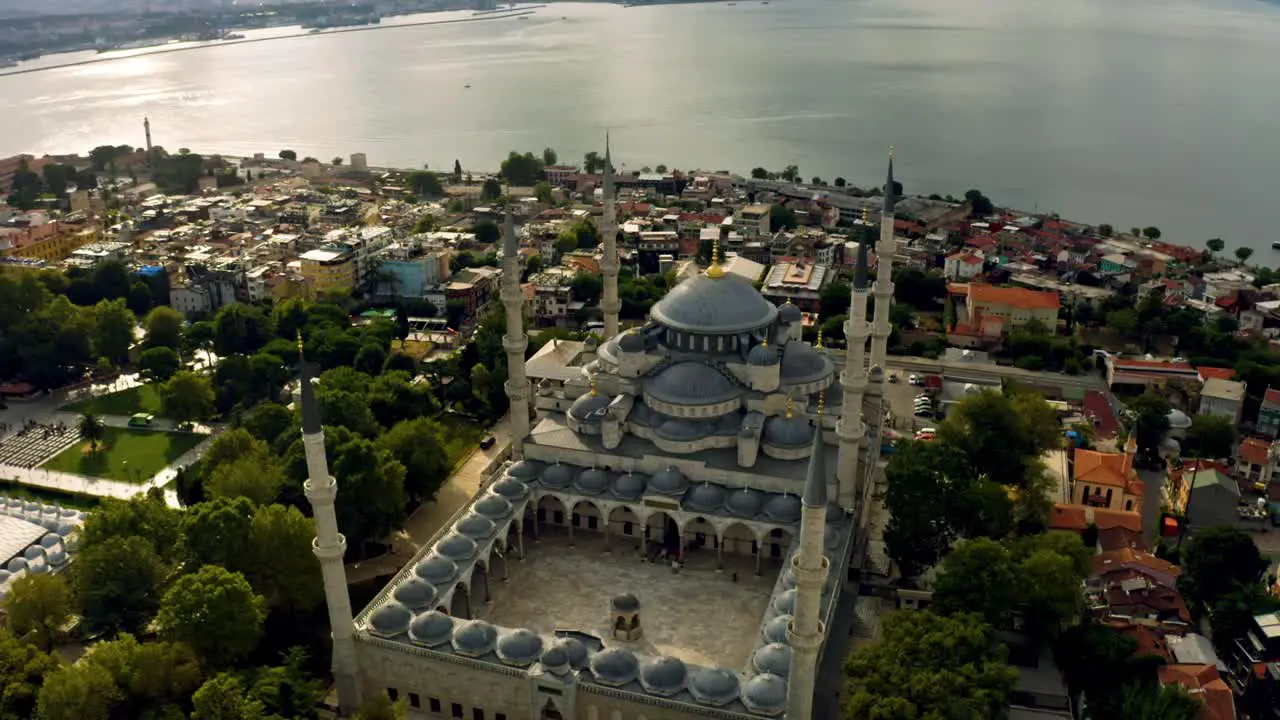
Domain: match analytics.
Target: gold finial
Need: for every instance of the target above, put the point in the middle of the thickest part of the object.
(822, 402)
(299, 342)
(820, 346)
(789, 413)
(866, 215)
(890, 152)
(765, 343)
(715, 271)
(595, 389)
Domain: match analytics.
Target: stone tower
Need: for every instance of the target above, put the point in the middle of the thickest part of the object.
(330, 546)
(609, 303)
(515, 341)
(810, 567)
(884, 275)
(851, 428)
(146, 125)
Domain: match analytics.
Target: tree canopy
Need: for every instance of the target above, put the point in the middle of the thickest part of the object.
(215, 612)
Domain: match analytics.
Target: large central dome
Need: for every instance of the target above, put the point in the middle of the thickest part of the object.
(706, 304)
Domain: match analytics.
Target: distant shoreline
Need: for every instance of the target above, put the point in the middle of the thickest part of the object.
(162, 50)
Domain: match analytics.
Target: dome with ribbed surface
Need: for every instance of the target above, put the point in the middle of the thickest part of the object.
(457, 547)
(626, 602)
(494, 507)
(744, 503)
(431, 628)
(663, 675)
(788, 432)
(722, 305)
(590, 408)
(50, 540)
(765, 694)
(788, 312)
(558, 477)
(614, 666)
(782, 508)
(390, 619)
(436, 569)
(555, 659)
(802, 363)
(576, 651)
(519, 647)
(416, 594)
(17, 565)
(785, 602)
(592, 481)
(511, 488)
(57, 558)
(690, 383)
(668, 482)
(835, 513)
(705, 497)
(474, 638)
(525, 469)
(714, 686)
(631, 341)
(763, 355)
(476, 526)
(628, 486)
(773, 658)
(34, 552)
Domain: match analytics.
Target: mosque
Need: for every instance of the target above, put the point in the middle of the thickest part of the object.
(671, 534)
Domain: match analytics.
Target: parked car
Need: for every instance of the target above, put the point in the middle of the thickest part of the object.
(487, 443)
(914, 379)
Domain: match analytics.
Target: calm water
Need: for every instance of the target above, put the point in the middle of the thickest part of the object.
(1136, 112)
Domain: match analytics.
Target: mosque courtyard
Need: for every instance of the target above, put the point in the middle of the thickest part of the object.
(695, 614)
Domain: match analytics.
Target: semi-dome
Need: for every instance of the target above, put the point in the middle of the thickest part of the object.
(663, 675)
(714, 686)
(493, 507)
(681, 429)
(782, 508)
(474, 638)
(788, 312)
(628, 486)
(765, 694)
(590, 407)
(723, 305)
(668, 482)
(5, 575)
(415, 594)
(39, 566)
(626, 602)
(558, 477)
(705, 497)
(525, 469)
(774, 658)
(431, 628)
(457, 547)
(511, 488)
(790, 432)
(744, 503)
(436, 569)
(801, 363)
(631, 341)
(762, 355)
(690, 383)
(519, 647)
(390, 619)
(555, 659)
(592, 481)
(785, 602)
(614, 666)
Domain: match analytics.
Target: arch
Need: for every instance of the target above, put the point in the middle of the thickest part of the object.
(480, 583)
(699, 532)
(551, 512)
(460, 603)
(497, 562)
(662, 532)
(623, 521)
(777, 542)
(738, 538)
(586, 514)
(550, 711)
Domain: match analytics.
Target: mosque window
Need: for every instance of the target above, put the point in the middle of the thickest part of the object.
(499, 716)
(455, 710)
(414, 700)
(592, 522)
(433, 704)
(477, 714)
(627, 528)
(393, 693)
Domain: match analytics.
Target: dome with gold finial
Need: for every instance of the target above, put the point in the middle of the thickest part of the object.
(788, 430)
(591, 407)
(763, 354)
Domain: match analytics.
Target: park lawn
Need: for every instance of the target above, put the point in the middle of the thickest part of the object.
(143, 398)
(460, 438)
(124, 454)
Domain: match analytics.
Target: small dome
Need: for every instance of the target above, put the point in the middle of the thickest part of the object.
(802, 363)
(390, 619)
(494, 507)
(525, 469)
(774, 658)
(705, 497)
(415, 593)
(1178, 420)
(33, 552)
(835, 513)
(31, 507)
(714, 686)
(38, 567)
(668, 482)
(788, 577)
(558, 476)
(511, 488)
(745, 503)
(628, 486)
(875, 374)
(765, 694)
(57, 558)
(681, 429)
(457, 547)
(592, 481)
(790, 432)
(474, 638)
(476, 526)
(576, 651)
(436, 569)
(590, 408)
(626, 602)
(519, 647)
(782, 508)
(66, 529)
(555, 659)
(5, 575)
(69, 513)
(663, 675)
(50, 540)
(785, 602)
(13, 502)
(614, 666)
(632, 342)
(431, 628)
(690, 383)
(763, 355)
(788, 312)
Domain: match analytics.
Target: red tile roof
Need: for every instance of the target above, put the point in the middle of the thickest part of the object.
(1254, 451)
(1022, 298)
(1271, 397)
(1097, 407)
(1207, 372)
(1064, 516)
(1205, 684)
(1139, 561)
(1111, 469)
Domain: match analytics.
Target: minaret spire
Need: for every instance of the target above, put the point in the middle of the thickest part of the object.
(514, 342)
(146, 125)
(884, 273)
(853, 380)
(610, 305)
(810, 567)
(330, 546)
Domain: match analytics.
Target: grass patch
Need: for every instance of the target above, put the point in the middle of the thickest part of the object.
(143, 398)
(47, 496)
(126, 455)
(460, 438)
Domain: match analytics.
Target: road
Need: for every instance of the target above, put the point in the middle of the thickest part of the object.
(925, 365)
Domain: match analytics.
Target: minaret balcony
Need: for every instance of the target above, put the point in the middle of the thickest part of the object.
(320, 491)
(515, 345)
(333, 551)
(852, 431)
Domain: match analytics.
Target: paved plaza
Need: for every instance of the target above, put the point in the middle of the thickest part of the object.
(696, 614)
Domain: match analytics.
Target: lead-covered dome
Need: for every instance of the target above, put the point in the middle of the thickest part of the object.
(788, 312)
(511, 488)
(765, 694)
(763, 355)
(476, 526)
(457, 547)
(390, 619)
(801, 363)
(680, 429)
(493, 507)
(714, 686)
(775, 631)
(558, 477)
(590, 408)
(705, 497)
(783, 431)
(690, 383)
(436, 569)
(525, 469)
(614, 666)
(663, 675)
(519, 647)
(628, 486)
(592, 481)
(785, 602)
(431, 628)
(631, 341)
(744, 503)
(774, 658)
(474, 638)
(782, 508)
(415, 594)
(668, 482)
(714, 305)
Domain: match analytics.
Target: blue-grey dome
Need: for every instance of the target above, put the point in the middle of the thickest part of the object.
(626, 602)
(436, 569)
(728, 424)
(474, 638)
(801, 363)
(785, 602)
(631, 341)
(555, 659)
(525, 469)
(511, 488)
(774, 658)
(628, 486)
(691, 383)
(788, 577)
(431, 628)
(614, 666)
(714, 686)
(558, 477)
(590, 408)
(663, 675)
(745, 503)
(762, 355)
(788, 432)
(835, 513)
(57, 558)
(39, 566)
(31, 507)
(50, 540)
(390, 619)
(705, 497)
(782, 508)
(5, 575)
(765, 694)
(457, 547)
(68, 513)
(66, 529)
(668, 482)
(643, 415)
(33, 552)
(476, 526)
(576, 651)
(789, 313)
(494, 507)
(519, 647)
(415, 593)
(592, 481)
(722, 305)
(682, 429)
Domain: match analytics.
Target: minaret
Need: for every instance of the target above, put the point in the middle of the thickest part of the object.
(853, 381)
(609, 303)
(330, 546)
(884, 275)
(810, 567)
(515, 341)
(146, 125)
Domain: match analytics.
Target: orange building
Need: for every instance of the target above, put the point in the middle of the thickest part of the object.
(1107, 480)
(991, 312)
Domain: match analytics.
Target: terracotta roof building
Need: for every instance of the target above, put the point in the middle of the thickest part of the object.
(1107, 480)
(1205, 684)
(990, 312)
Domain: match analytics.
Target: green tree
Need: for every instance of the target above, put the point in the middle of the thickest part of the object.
(288, 690)
(1151, 232)
(92, 430)
(223, 697)
(782, 217)
(840, 182)
(1211, 436)
(38, 607)
(977, 576)
(145, 517)
(542, 191)
(113, 325)
(158, 364)
(426, 184)
(337, 160)
(1219, 561)
(116, 584)
(84, 691)
(1215, 245)
(288, 155)
(759, 173)
(23, 668)
(370, 359)
(269, 422)
(186, 397)
(1123, 321)
(1150, 421)
(163, 326)
(480, 383)
(790, 173)
(393, 397)
(1106, 230)
(490, 190)
(216, 532)
(257, 479)
(548, 156)
(418, 446)
(927, 665)
(592, 163)
(139, 300)
(1149, 701)
(1243, 254)
(240, 329)
(521, 170)
(280, 564)
(998, 437)
(216, 612)
(926, 482)
(380, 707)
(487, 232)
(979, 204)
